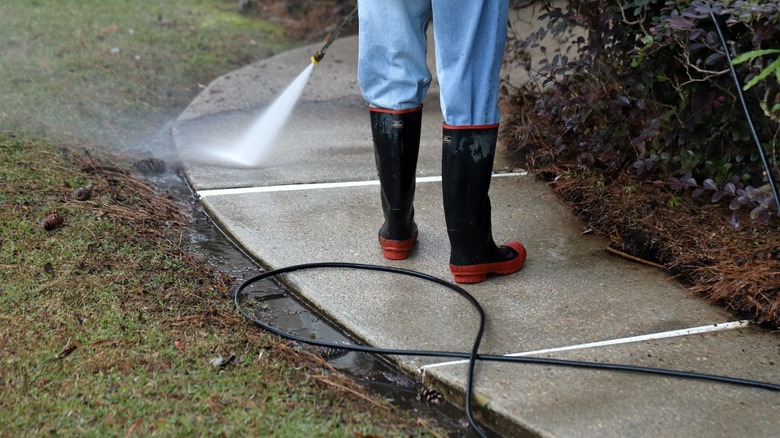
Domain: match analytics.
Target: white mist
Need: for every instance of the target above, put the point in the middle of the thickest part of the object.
(255, 145)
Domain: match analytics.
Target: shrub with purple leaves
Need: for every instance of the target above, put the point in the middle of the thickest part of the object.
(760, 200)
(649, 91)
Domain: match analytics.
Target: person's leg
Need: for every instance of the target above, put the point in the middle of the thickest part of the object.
(394, 79)
(470, 38)
(392, 69)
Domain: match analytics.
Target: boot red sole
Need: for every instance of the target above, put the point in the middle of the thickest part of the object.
(478, 273)
(397, 249)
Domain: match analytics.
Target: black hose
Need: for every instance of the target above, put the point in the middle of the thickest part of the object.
(759, 146)
(472, 356)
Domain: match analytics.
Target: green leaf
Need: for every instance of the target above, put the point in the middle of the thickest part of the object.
(764, 73)
(753, 54)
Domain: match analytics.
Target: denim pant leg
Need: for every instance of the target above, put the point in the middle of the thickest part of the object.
(392, 71)
(470, 38)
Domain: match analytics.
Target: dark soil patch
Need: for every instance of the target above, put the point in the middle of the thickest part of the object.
(309, 20)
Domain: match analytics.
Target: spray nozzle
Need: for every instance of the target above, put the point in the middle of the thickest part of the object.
(319, 54)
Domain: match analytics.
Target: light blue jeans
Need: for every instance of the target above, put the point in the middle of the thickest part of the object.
(470, 36)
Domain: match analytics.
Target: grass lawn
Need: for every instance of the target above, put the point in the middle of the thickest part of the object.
(108, 327)
(113, 71)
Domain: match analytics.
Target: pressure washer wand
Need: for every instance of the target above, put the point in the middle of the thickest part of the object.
(319, 54)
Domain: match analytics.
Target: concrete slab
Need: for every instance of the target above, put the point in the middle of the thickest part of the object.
(570, 292)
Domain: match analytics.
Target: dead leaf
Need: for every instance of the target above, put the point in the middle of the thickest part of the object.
(132, 428)
(221, 362)
(109, 29)
(69, 348)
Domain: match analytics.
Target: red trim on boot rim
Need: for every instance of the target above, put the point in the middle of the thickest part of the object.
(461, 127)
(478, 273)
(392, 111)
(397, 249)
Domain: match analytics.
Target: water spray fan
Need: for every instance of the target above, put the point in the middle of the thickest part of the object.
(252, 148)
(319, 54)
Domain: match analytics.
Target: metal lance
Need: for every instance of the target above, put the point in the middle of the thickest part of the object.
(319, 54)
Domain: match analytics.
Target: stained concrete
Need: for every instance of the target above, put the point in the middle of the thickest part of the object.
(570, 292)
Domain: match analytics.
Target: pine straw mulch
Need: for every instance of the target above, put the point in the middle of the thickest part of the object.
(737, 268)
(689, 238)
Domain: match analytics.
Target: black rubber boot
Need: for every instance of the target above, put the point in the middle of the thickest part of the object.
(396, 146)
(467, 165)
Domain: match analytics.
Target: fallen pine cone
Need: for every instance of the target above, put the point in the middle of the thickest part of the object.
(150, 166)
(83, 193)
(51, 221)
(430, 395)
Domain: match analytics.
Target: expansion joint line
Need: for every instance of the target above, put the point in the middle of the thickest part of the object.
(641, 338)
(320, 186)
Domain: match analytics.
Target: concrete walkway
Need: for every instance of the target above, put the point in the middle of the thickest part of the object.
(317, 200)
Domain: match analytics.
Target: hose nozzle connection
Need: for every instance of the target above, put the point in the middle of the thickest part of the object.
(319, 54)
